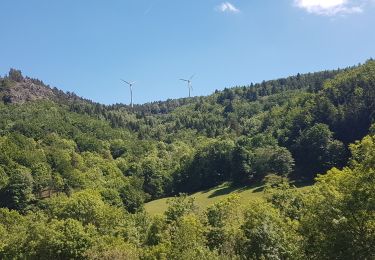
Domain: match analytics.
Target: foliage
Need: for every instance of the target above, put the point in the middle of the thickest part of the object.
(340, 214)
(268, 235)
(317, 151)
(74, 174)
(179, 206)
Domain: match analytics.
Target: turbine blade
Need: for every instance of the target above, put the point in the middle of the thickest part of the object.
(192, 76)
(126, 82)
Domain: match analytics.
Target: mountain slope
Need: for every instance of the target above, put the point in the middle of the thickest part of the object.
(297, 126)
(74, 174)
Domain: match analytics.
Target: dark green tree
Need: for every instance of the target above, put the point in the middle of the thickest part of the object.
(316, 151)
(17, 194)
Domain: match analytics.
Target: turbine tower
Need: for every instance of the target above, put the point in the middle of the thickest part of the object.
(131, 91)
(189, 83)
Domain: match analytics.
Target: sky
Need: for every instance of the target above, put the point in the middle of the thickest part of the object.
(87, 46)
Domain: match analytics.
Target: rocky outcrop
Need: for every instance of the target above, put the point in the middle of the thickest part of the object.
(25, 91)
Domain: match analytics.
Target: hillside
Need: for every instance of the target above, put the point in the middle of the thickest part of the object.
(242, 128)
(75, 175)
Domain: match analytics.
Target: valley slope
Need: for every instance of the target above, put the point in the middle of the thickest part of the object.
(75, 174)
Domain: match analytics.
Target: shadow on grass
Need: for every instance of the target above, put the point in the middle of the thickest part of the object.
(228, 188)
(219, 187)
(222, 191)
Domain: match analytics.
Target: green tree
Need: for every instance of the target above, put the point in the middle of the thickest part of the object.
(17, 194)
(60, 239)
(253, 164)
(180, 206)
(222, 234)
(211, 166)
(316, 151)
(132, 195)
(268, 235)
(277, 160)
(188, 240)
(339, 212)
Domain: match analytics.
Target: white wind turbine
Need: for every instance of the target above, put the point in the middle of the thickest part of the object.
(131, 90)
(189, 83)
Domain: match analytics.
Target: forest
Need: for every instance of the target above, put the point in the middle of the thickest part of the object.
(75, 174)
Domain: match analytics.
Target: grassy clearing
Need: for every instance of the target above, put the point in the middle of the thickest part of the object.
(209, 197)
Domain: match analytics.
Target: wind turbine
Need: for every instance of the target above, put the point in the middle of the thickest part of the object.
(189, 83)
(131, 90)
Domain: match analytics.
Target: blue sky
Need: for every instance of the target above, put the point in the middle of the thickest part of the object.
(86, 46)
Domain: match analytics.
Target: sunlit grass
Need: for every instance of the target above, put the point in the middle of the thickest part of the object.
(208, 197)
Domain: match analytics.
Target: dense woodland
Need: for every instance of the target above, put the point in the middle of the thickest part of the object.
(75, 174)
